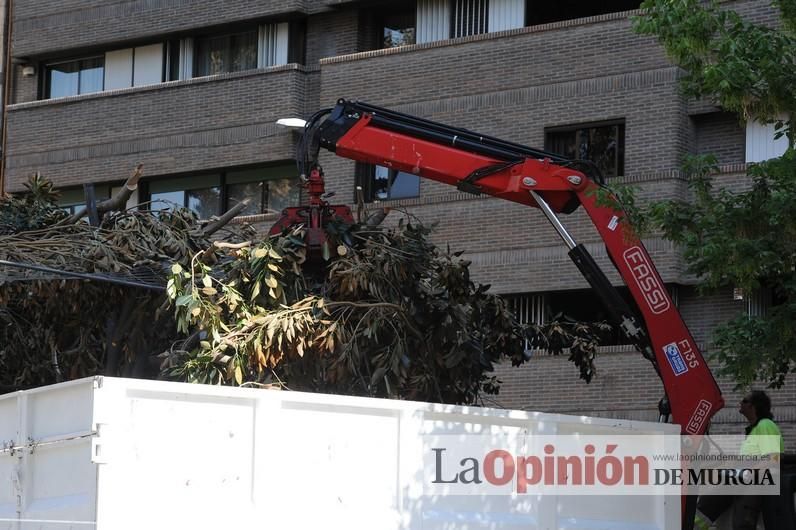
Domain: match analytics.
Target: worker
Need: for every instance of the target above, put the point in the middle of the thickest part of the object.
(763, 437)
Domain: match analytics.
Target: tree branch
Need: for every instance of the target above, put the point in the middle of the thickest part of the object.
(117, 202)
(219, 223)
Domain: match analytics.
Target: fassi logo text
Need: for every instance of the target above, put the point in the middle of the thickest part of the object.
(647, 281)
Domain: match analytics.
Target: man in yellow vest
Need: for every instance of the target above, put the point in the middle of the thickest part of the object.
(763, 437)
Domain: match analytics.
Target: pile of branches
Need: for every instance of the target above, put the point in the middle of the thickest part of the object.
(384, 313)
(79, 300)
(390, 316)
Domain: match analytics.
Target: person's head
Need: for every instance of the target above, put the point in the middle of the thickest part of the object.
(756, 405)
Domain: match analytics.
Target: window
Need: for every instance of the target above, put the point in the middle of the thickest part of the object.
(398, 29)
(72, 200)
(269, 190)
(138, 66)
(202, 194)
(380, 183)
(70, 78)
(758, 302)
(586, 306)
(259, 47)
(470, 17)
(602, 144)
(219, 54)
(269, 45)
(578, 306)
(445, 19)
(528, 309)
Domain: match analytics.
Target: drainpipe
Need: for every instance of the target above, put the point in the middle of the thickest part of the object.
(7, 69)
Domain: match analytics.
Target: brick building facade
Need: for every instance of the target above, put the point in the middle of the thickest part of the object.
(193, 89)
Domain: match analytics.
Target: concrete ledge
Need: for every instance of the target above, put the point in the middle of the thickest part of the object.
(160, 86)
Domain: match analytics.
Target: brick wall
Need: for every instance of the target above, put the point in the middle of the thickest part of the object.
(23, 88)
(172, 128)
(49, 26)
(721, 134)
(332, 34)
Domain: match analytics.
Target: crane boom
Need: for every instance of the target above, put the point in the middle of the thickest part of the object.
(483, 164)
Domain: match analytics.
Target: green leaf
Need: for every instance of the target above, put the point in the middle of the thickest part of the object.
(183, 300)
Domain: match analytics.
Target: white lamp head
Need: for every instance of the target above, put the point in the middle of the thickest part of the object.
(292, 123)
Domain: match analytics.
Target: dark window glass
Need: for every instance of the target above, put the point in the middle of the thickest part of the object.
(72, 200)
(380, 183)
(256, 192)
(282, 193)
(219, 54)
(398, 29)
(200, 193)
(269, 190)
(166, 200)
(586, 306)
(205, 202)
(604, 145)
(71, 78)
(544, 12)
(297, 42)
(172, 60)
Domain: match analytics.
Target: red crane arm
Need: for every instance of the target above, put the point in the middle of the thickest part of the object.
(482, 164)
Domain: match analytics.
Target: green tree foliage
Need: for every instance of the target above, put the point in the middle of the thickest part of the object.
(388, 315)
(32, 210)
(742, 239)
(745, 67)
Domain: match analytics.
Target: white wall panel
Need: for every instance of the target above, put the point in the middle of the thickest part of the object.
(119, 69)
(760, 142)
(506, 14)
(148, 69)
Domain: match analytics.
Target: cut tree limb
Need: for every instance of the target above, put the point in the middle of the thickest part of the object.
(117, 202)
(214, 226)
(378, 217)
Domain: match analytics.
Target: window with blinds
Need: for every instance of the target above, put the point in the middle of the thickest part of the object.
(528, 309)
(470, 17)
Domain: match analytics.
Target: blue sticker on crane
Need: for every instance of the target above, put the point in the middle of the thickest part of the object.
(675, 358)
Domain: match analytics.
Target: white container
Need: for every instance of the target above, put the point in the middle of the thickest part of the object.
(117, 454)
